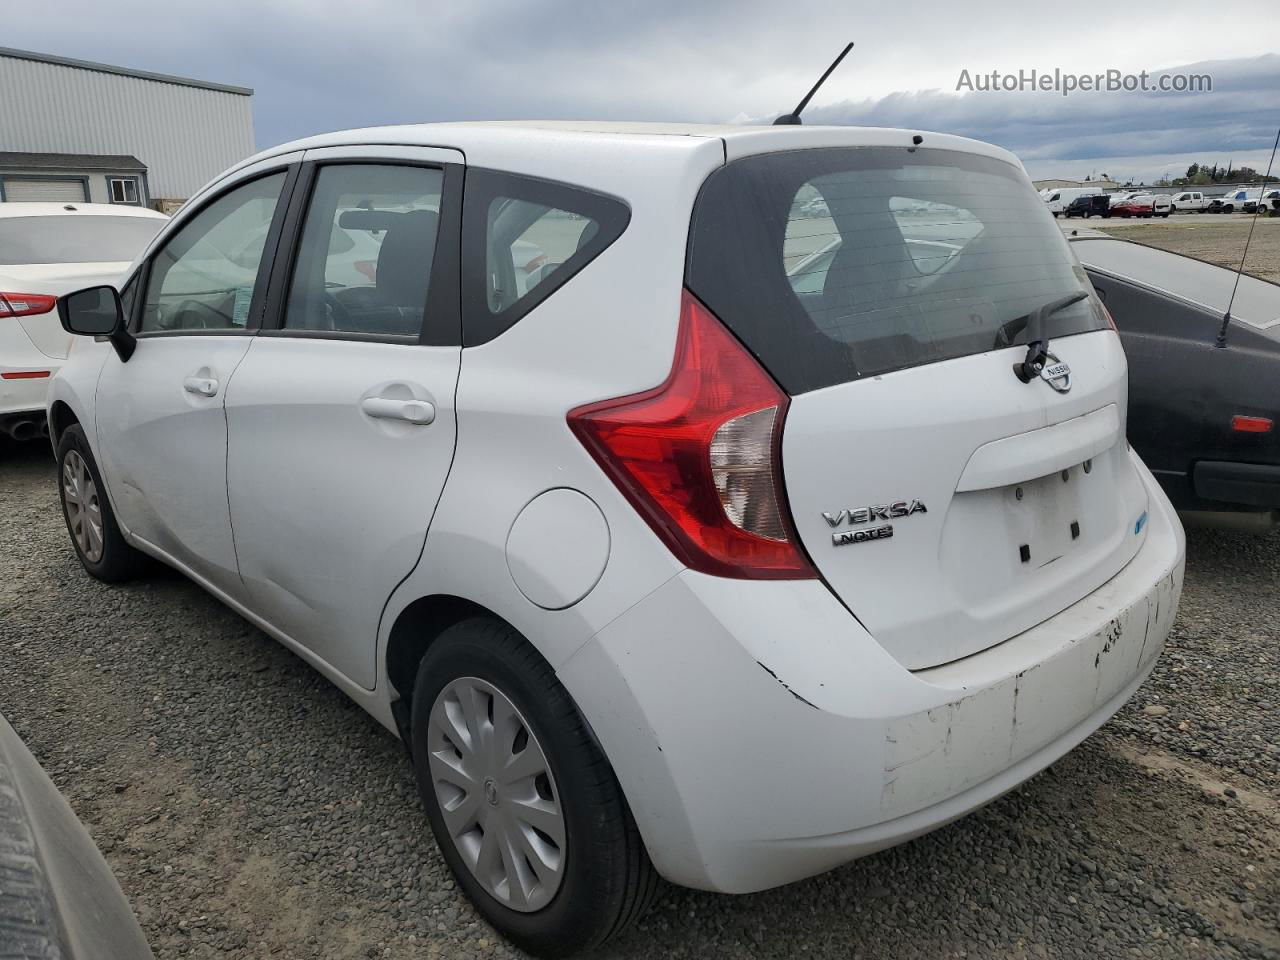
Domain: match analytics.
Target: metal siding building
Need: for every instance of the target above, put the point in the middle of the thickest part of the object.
(184, 131)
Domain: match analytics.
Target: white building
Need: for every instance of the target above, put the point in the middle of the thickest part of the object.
(73, 130)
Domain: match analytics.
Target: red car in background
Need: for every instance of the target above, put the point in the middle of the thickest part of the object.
(1147, 205)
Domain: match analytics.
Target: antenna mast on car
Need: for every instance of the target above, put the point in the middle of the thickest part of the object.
(792, 119)
(1257, 212)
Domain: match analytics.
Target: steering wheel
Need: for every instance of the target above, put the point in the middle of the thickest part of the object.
(339, 316)
(197, 315)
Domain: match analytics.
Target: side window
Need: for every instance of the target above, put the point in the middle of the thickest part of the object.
(204, 277)
(528, 243)
(368, 242)
(123, 189)
(810, 242)
(523, 239)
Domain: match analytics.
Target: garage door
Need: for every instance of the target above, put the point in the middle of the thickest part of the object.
(55, 191)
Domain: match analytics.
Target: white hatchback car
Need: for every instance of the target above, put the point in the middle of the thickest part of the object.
(680, 560)
(46, 250)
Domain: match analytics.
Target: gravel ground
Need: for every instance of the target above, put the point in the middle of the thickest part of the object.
(250, 811)
(1217, 238)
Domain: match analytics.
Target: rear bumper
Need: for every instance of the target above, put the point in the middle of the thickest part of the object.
(22, 390)
(761, 736)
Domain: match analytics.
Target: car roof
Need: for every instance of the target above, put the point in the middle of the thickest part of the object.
(24, 208)
(483, 141)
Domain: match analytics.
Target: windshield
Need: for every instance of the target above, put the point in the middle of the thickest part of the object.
(75, 239)
(919, 257)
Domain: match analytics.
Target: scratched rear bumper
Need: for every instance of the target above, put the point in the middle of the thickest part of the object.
(761, 736)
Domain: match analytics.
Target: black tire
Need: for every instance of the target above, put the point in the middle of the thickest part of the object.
(608, 881)
(119, 561)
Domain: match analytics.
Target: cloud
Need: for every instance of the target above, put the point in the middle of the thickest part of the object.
(1137, 133)
(327, 64)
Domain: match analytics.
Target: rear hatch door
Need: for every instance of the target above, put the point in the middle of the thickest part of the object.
(949, 504)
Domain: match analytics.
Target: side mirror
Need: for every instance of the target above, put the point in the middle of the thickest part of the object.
(96, 312)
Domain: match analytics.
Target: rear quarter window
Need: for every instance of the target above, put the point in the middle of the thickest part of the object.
(523, 238)
(835, 264)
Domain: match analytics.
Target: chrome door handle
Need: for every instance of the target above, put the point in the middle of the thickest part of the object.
(203, 386)
(419, 412)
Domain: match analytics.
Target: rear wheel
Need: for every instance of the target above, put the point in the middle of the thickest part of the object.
(524, 806)
(96, 536)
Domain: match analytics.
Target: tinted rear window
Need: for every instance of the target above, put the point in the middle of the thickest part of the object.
(842, 263)
(73, 239)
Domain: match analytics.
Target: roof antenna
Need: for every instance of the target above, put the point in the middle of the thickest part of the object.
(792, 119)
(1257, 212)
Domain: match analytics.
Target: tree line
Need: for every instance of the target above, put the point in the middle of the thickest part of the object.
(1201, 173)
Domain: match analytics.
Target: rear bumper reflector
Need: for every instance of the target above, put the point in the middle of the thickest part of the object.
(25, 375)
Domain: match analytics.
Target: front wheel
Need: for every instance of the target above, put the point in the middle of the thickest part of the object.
(524, 805)
(101, 547)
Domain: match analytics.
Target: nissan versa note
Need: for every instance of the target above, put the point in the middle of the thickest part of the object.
(784, 513)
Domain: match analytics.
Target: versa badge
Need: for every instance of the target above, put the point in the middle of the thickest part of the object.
(855, 516)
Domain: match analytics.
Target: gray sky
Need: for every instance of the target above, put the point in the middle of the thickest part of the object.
(323, 64)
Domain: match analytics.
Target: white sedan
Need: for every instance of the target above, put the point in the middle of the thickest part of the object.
(48, 249)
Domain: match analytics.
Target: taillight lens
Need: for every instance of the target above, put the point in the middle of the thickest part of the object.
(699, 456)
(25, 304)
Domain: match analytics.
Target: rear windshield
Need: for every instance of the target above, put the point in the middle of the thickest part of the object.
(836, 264)
(75, 239)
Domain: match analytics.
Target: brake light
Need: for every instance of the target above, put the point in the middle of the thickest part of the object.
(699, 455)
(25, 304)
(1241, 424)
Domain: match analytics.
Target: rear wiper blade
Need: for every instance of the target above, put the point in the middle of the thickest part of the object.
(1037, 346)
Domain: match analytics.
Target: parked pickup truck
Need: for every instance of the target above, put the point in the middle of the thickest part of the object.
(1191, 201)
(1270, 201)
(1230, 202)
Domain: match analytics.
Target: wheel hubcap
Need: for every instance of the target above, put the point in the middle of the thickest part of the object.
(84, 511)
(496, 794)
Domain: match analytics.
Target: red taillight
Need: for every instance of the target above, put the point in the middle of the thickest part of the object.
(699, 456)
(25, 304)
(1250, 424)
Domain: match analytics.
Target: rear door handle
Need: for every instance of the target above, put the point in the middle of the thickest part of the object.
(203, 386)
(418, 412)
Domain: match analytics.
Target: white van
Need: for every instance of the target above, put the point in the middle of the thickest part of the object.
(1058, 199)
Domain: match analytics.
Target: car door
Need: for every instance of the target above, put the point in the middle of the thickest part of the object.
(162, 433)
(341, 419)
